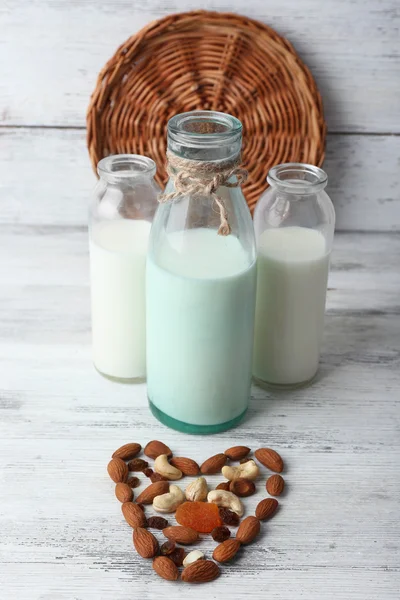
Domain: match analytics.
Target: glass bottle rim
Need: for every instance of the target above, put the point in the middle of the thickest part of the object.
(297, 178)
(121, 167)
(204, 128)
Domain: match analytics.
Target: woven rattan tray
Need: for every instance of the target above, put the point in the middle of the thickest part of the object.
(208, 60)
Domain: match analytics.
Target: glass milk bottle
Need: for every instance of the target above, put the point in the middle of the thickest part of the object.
(201, 278)
(294, 222)
(121, 212)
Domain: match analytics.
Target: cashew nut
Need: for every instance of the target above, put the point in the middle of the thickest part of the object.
(162, 466)
(197, 490)
(227, 500)
(248, 470)
(192, 557)
(169, 502)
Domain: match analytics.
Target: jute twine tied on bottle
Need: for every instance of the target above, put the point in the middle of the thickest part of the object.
(202, 178)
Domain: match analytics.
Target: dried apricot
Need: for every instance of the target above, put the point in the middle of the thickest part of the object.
(200, 516)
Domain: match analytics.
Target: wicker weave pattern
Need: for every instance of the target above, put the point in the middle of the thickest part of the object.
(216, 61)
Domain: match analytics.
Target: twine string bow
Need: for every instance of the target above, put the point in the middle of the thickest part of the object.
(201, 178)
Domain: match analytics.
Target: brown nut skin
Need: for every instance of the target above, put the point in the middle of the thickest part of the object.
(133, 514)
(127, 451)
(248, 530)
(165, 568)
(186, 465)
(123, 492)
(145, 543)
(200, 571)
(270, 459)
(154, 448)
(242, 487)
(266, 508)
(154, 489)
(181, 534)
(226, 551)
(213, 464)
(117, 470)
(275, 485)
(237, 452)
(223, 486)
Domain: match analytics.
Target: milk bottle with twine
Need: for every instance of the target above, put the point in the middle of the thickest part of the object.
(201, 280)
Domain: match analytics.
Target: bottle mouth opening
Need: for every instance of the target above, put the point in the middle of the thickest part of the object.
(200, 128)
(297, 178)
(125, 166)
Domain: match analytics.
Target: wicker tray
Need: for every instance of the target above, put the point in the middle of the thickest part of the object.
(208, 60)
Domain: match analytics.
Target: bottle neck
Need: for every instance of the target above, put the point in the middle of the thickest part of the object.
(296, 180)
(207, 136)
(125, 169)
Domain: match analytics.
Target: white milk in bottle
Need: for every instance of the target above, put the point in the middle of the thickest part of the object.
(294, 223)
(121, 212)
(118, 267)
(291, 289)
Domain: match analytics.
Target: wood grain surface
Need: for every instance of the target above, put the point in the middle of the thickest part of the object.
(46, 178)
(62, 533)
(54, 50)
(337, 535)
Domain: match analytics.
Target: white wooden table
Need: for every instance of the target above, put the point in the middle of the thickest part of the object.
(62, 536)
(62, 533)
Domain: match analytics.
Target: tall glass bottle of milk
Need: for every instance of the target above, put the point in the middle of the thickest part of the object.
(201, 280)
(294, 222)
(121, 212)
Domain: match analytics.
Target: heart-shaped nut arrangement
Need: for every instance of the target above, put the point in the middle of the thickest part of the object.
(198, 510)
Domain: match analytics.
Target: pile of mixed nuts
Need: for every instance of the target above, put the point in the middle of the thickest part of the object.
(197, 510)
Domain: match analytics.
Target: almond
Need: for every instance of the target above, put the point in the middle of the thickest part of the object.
(127, 451)
(117, 470)
(181, 535)
(275, 485)
(225, 485)
(200, 571)
(248, 530)
(123, 492)
(226, 551)
(237, 452)
(165, 568)
(155, 448)
(133, 514)
(153, 490)
(270, 459)
(266, 508)
(242, 487)
(186, 465)
(213, 464)
(145, 543)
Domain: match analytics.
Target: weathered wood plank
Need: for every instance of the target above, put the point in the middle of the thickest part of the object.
(54, 51)
(337, 533)
(46, 178)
